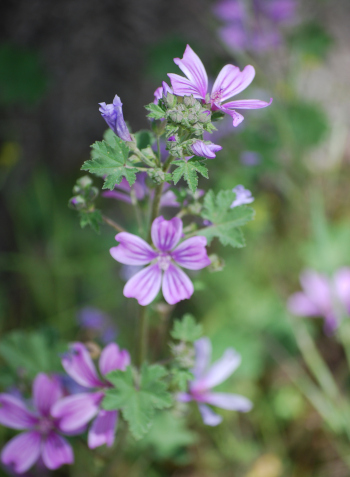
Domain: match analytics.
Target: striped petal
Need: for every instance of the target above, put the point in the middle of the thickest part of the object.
(176, 285)
(145, 285)
(132, 250)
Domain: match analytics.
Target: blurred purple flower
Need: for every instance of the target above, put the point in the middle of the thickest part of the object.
(79, 409)
(243, 196)
(97, 322)
(162, 272)
(229, 82)
(323, 297)
(42, 438)
(113, 115)
(250, 158)
(202, 149)
(207, 377)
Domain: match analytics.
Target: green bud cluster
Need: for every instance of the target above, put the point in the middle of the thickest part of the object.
(84, 194)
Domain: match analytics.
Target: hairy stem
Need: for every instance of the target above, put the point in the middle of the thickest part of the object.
(143, 335)
(113, 224)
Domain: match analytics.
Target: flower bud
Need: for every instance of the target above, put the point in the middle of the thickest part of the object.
(189, 101)
(77, 203)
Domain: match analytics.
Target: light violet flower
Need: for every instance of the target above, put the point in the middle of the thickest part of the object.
(243, 196)
(202, 149)
(163, 271)
(43, 431)
(207, 377)
(113, 115)
(229, 82)
(323, 297)
(97, 324)
(160, 91)
(79, 409)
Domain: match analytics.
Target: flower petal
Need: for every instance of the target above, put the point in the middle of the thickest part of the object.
(113, 115)
(183, 397)
(78, 364)
(56, 451)
(221, 369)
(14, 414)
(103, 429)
(299, 304)
(203, 356)
(237, 117)
(232, 402)
(247, 104)
(144, 285)
(75, 411)
(46, 391)
(210, 418)
(231, 81)
(317, 288)
(176, 285)
(114, 194)
(183, 86)
(112, 357)
(166, 233)
(132, 250)
(199, 148)
(193, 68)
(169, 199)
(342, 286)
(22, 451)
(192, 253)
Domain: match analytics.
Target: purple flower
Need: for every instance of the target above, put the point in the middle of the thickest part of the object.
(243, 196)
(113, 115)
(229, 82)
(78, 410)
(250, 158)
(43, 429)
(162, 273)
(97, 322)
(200, 148)
(322, 296)
(162, 90)
(206, 378)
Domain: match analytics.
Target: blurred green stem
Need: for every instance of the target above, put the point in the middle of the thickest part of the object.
(112, 224)
(143, 336)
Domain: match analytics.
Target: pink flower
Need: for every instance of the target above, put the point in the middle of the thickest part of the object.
(166, 234)
(322, 296)
(79, 409)
(230, 82)
(243, 196)
(43, 429)
(206, 378)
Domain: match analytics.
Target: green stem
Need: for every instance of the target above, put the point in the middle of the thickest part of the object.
(113, 224)
(155, 206)
(158, 151)
(143, 336)
(138, 215)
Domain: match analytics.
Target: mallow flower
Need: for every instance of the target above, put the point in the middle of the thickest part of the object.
(79, 409)
(205, 149)
(113, 115)
(323, 297)
(229, 82)
(43, 430)
(207, 377)
(243, 196)
(163, 271)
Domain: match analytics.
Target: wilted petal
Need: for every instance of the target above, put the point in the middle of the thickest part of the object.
(145, 285)
(22, 451)
(300, 305)
(102, 430)
(192, 253)
(247, 104)
(112, 357)
(232, 402)
(46, 391)
(113, 115)
(166, 233)
(342, 286)
(176, 285)
(231, 81)
(200, 148)
(236, 117)
(56, 451)
(132, 250)
(203, 356)
(78, 364)
(75, 411)
(221, 369)
(193, 68)
(14, 414)
(210, 418)
(158, 94)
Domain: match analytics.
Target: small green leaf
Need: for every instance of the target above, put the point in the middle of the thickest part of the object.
(180, 378)
(186, 329)
(138, 402)
(226, 222)
(94, 219)
(110, 159)
(189, 170)
(144, 138)
(156, 112)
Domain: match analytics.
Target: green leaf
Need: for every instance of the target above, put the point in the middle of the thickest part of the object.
(110, 159)
(226, 222)
(180, 378)
(186, 329)
(189, 170)
(156, 112)
(94, 219)
(138, 402)
(144, 138)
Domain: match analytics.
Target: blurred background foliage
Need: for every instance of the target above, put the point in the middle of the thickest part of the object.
(55, 66)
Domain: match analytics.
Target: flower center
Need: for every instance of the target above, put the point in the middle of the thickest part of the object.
(164, 260)
(216, 97)
(45, 425)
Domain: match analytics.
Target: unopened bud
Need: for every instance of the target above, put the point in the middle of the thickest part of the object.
(84, 182)
(204, 117)
(170, 100)
(77, 203)
(217, 263)
(157, 175)
(189, 101)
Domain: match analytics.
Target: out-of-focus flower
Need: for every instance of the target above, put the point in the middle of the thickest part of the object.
(163, 271)
(97, 323)
(200, 148)
(43, 431)
(113, 115)
(250, 158)
(323, 297)
(243, 196)
(207, 377)
(162, 90)
(79, 409)
(229, 82)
